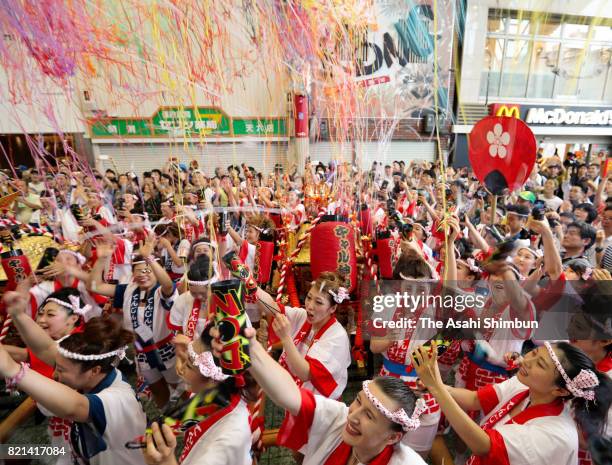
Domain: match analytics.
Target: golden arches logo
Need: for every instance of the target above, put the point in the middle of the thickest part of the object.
(512, 111)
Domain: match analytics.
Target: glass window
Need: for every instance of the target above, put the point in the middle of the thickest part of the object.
(496, 24)
(543, 62)
(608, 94)
(491, 72)
(547, 25)
(547, 56)
(594, 72)
(518, 26)
(574, 30)
(516, 68)
(571, 59)
(602, 33)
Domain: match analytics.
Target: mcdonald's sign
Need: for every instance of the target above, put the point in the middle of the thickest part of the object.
(505, 109)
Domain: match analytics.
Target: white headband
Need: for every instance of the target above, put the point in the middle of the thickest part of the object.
(86, 358)
(399, 416)
(537, 253)
(74, 305)
(212, 280)
(144, 261)
(212, 245)
(80, 258)
(583, 383)
(206, 364)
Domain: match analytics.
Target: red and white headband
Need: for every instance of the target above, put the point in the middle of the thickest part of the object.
(409, 423)
(583, 383)
(74, 305)
(206, 364)
(80, 258)
(471, 264)
(340, 296)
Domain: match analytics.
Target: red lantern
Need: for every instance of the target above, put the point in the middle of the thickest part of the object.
(384, 248)
(332, 248)
(17, 268)
(366, 224)
(263, 261)
(502, 152)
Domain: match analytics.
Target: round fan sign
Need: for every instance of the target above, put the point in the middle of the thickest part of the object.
(502, 151)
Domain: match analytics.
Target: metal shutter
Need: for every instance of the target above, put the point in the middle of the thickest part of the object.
(396, 150)
(144, 157)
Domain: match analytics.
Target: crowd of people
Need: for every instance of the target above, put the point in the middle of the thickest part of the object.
(136, 257)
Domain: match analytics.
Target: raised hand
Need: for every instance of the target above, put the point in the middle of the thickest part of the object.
(16, 303)
(282, 328)
(53, 270)
(425, 362)
(601, 274)
(146, 249)
(104, 249)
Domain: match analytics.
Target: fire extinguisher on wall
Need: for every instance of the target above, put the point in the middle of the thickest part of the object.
(301, 115)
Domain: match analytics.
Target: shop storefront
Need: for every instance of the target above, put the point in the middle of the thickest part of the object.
(206, 134)
(584, 131)
(549, 63)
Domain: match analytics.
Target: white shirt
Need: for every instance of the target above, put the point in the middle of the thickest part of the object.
(318, 438)
(329, 355)
(227, 442)
(181, 311)
(161, 306)
(116, 413)
(553, 203)
(537, 435)
(182, 251)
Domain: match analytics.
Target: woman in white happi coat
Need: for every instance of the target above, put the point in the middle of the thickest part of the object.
(61, 314)
(89, 390)
(329, 432)
(316, 348)
(189, 312)
(224, 436)
(529, 418)
(146, 303)
(591, 332)
(418, 279)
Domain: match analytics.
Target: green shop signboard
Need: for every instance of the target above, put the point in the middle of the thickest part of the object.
(188, 122)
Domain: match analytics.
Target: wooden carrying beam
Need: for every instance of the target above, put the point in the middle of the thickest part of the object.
(17, 418)
(269, 437)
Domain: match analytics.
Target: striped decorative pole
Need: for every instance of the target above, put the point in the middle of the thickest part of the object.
(29, 228)
(5, 327)
(367, 245)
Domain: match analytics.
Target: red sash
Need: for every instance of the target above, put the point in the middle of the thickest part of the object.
(194, 316)
(299, 338)
(196, 432)
(58, 286)
(398, 350)
(535, 411)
